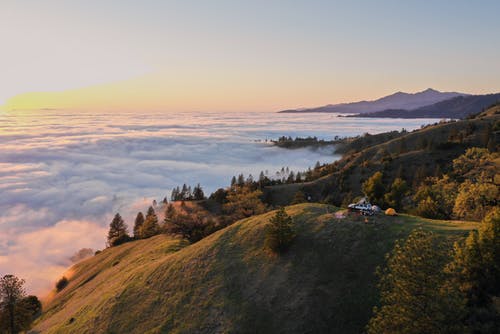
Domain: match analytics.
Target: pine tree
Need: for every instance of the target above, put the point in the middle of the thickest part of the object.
(117, 233)
(298, 177)
(476, 266)
(414, 295)
(175, 194)
(198, 193)
(241, 180)
(151, 226)
(280, 232)
(139, 222)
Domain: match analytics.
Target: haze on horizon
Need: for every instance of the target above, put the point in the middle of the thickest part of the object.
(245, 56)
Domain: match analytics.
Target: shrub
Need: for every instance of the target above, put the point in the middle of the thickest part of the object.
(62, 283)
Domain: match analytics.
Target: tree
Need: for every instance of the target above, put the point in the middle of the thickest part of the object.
(242, 203)
(151, 226)
(280, 232)
(476, 265)
(399, 189)
(435, 197)
(175, 196)
(198, 193)
(412, 292)
(17, 311)
(472, 163)
(374, 188)
(475, 200)
(117, 233)
(189, 226)
(138, 224)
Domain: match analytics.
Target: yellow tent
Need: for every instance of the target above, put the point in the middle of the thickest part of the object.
(390, 212)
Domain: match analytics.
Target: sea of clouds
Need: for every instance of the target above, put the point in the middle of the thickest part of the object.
(64, 174)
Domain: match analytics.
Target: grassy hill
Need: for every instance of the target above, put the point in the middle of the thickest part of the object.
(228, 282)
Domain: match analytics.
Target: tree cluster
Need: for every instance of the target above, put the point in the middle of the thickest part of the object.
(186, 194)
(426, 288)
(469, 191)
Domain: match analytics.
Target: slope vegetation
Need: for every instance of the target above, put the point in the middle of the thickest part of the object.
(409, 155)
(228, 282)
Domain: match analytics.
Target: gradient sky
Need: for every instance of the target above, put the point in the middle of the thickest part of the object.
(241, 55)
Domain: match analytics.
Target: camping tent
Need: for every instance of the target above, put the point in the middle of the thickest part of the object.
(390, 212)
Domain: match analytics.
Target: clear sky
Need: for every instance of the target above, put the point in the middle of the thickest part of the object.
(241, 55)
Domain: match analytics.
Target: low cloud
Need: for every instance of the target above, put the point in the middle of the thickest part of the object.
(63, 177)
(41, 256)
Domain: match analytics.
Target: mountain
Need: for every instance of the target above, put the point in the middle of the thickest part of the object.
(229, 283)
(397, 100)
(457, 107)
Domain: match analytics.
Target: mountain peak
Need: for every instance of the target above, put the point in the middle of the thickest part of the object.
(430, 90)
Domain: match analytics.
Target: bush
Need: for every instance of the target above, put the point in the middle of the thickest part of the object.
(62, 283)
(280, 232)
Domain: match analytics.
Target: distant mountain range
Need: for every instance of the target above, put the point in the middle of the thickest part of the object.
(399, 100)
(457, 107)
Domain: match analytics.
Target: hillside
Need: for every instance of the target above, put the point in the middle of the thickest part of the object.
(228, 283)
(457, 107)
(399, 100)
(409, 155)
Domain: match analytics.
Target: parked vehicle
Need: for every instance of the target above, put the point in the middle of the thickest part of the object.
(363, 206)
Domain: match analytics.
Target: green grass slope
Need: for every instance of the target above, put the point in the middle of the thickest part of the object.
(228, 282)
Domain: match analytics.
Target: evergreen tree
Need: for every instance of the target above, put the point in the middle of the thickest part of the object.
(184, 192)
(280, 232)
(117, 233)
(175, 196)
(139, 222)
(476, 266)
(233, 181)
(241, 180)
(298, 177)
(414, 296)
(151, 226)
(169, 213)
(198, 193)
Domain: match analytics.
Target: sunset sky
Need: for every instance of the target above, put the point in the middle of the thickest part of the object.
(241, 55)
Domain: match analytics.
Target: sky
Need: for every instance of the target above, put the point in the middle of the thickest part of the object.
(226, 55)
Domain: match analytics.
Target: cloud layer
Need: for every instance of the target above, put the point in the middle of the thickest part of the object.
(63, 175)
